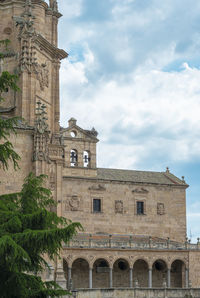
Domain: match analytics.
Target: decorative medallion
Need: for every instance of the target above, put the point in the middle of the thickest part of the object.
(118, 207)
(160, 209)
(74, 203)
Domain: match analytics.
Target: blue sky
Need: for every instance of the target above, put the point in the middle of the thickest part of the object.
(134, 74)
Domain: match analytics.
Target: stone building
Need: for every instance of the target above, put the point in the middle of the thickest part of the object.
(134, 221)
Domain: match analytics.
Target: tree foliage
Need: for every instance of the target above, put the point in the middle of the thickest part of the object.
(28, 233)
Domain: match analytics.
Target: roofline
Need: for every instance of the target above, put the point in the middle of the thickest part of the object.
(122, 181)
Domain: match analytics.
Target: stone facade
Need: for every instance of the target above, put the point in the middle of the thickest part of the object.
(137, 293)
(134, 221)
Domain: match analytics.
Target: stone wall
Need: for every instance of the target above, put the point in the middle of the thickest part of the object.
(194, 267)
(138, 293)
(171, 224)
(11, 181)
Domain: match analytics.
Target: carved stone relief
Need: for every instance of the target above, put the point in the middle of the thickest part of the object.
(74, 203)
(56, 152)
(41, 135)
(52, 177)
(42, 72)
(118, 207)
(98, 187)
(26, 37)
(140, 190)
(160, 209)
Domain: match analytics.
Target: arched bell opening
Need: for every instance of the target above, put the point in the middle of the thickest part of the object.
(80, 274)
(73, 158)
(121, 271)
(159, 274)
(101, 274)
(140, 274)
(86, 159)
(178, 274)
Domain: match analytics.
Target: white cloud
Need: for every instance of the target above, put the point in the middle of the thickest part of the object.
(163, 106)
(71, 9)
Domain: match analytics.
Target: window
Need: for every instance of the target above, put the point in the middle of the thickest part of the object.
(140, 207)
(96, 205)
(73, 158)
(86, 159)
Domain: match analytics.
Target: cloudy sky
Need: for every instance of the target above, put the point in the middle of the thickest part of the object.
(134, 74)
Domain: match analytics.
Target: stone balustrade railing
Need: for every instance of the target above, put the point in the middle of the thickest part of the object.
(128, 242)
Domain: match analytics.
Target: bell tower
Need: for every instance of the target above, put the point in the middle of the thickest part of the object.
(32, 54)
(80, 150)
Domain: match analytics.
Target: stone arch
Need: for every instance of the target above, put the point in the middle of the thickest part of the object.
(80, 257)
(177, 259)
(86, 158)
(164, 259)
(121, 269)
(73, 157)
(80, 272)
(124, 258)
(100, 272)
(143, 259)
(104, 258)
(159, 273)
(178, 273)
(140, 272)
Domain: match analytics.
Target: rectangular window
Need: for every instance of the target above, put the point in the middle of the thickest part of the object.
(96, 205)
(140, 207)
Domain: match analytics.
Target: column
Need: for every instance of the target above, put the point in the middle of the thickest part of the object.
(150, 278)
(168, 278)
(69, 277)
(90, 278)
(111, 277)
(131, 277)
(186, 278)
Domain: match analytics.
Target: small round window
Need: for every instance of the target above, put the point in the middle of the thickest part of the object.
(73, 133)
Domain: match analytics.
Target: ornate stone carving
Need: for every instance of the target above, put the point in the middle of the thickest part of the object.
(140, 190)
(53, 5)
(55, 152)
(42, 72)
(56, 139)
(41, 151)
(41, 135)
(98, 187)
(160, 209)
(118, 207)
(74, 203)
(26, 37)
(52, 177)
(41, 120)
(25, 21)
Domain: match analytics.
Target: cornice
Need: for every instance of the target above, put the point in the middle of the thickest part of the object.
(52, 50)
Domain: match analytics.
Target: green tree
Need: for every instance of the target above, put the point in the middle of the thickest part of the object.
(29, 232)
